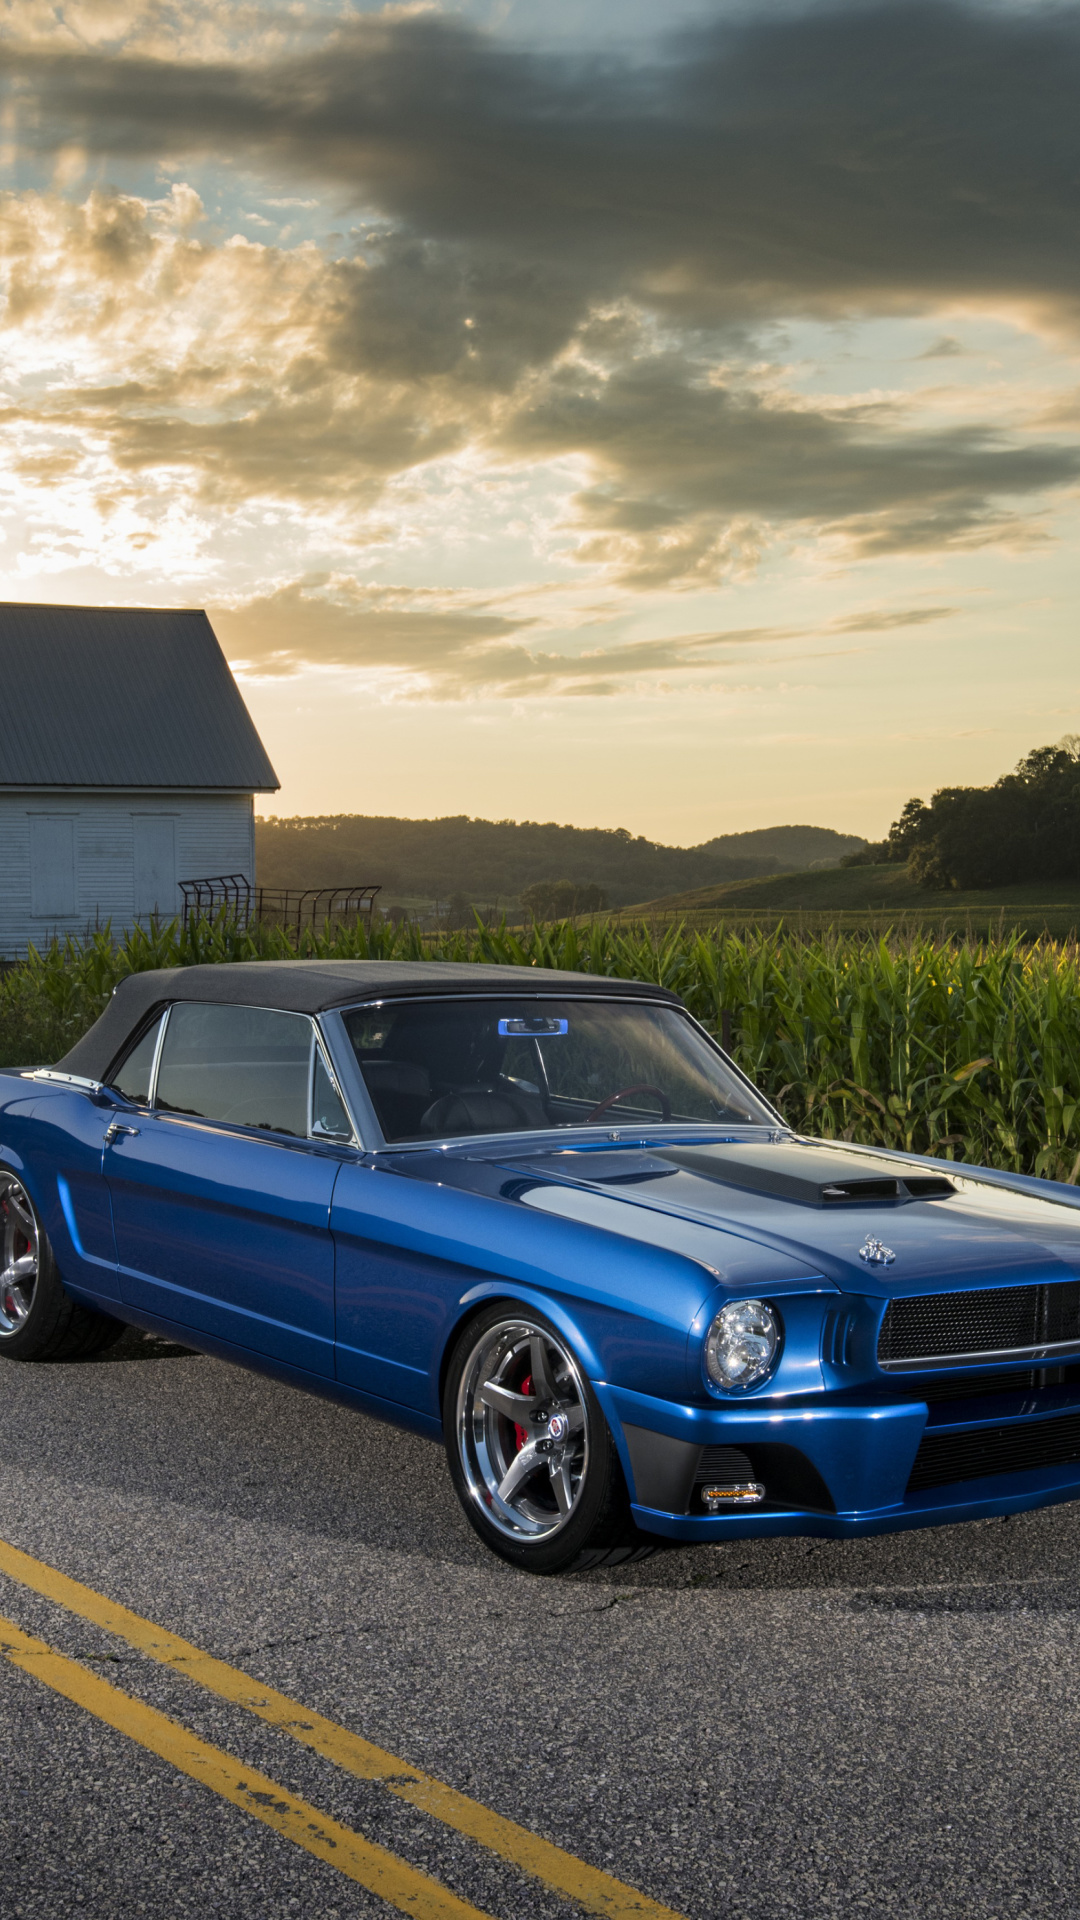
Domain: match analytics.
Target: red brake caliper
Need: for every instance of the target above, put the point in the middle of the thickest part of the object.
(523, 1435)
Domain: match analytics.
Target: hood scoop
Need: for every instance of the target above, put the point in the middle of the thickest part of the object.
(917, 1187)
(815, 1176)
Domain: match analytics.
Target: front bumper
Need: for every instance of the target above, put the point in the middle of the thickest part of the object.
(860, 1460)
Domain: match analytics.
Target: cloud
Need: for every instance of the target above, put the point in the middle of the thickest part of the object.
(240, 372)
(886, 620)
(692, 472)
(442, 646)
(222, 362)
(844, 157)
(945, 347)
(560, 265)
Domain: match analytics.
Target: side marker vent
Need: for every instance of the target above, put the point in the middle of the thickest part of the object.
(837, 1336)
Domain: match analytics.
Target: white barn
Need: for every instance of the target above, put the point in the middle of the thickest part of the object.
(128, 762)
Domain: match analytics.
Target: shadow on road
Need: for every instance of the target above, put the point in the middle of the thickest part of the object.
(212, 1437)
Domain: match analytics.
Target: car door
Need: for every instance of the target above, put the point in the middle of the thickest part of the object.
(221, 1192)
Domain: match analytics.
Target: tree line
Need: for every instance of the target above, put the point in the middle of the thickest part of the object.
(1026, 826)
(494, 862)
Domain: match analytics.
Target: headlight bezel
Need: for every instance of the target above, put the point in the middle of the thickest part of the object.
(724, 1325)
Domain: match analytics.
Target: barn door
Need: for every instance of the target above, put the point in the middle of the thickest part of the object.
(52, 866)
(154, 847)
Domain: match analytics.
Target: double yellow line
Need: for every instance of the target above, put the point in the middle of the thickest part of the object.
(374, 1867)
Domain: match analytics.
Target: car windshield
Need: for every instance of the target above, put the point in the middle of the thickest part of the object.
(439, 1069)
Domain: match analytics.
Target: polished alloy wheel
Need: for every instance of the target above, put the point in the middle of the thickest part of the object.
(523, 1429)
(20, 1253)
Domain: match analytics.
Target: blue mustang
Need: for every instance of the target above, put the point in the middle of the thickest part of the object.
(544, 1218)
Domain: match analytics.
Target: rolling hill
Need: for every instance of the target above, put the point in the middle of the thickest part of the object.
(491, 861)
(851, 896)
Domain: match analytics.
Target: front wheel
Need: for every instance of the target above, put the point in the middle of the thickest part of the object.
(38, 1318)
(531, 1456)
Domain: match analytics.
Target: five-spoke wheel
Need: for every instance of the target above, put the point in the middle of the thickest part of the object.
(523, 1429)
(530, 1452)
(20, 1254)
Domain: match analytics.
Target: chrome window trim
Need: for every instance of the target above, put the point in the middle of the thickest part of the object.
(320, 1051)
(349, 1080)
(358, 1103)
(574, 1139)
(316, 1046)
(77, 1080)
(163, 1022)
(329, 1034)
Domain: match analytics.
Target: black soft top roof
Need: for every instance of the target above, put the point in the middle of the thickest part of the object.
(313, 986)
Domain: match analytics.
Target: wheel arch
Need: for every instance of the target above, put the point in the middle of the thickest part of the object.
(11, 1161)
(497, 1291)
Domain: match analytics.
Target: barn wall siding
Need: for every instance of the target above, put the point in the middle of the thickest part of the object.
(213, 833)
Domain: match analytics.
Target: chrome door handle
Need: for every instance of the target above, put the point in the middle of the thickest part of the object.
(114, 1128)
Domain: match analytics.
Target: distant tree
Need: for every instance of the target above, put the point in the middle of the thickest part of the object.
(1024, 827)
(874, 854)
(906, 833)
(496, 859)
(903, 837)
(459, 912)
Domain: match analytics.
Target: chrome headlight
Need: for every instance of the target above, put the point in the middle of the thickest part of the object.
(742, 1344)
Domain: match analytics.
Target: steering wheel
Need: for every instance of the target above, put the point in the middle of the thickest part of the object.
(624, 1094)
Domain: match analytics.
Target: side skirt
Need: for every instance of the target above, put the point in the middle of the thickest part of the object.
(378, 1409)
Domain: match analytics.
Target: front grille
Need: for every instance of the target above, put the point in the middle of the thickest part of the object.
(937, 1327)
(1022, 1380)
(976, 1386)
(1017, 1448)
(723, 1463)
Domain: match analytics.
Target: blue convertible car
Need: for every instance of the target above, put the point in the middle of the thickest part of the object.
(544, 1218)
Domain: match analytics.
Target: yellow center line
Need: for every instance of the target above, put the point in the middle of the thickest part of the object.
(589, 1887)
(380, 1872)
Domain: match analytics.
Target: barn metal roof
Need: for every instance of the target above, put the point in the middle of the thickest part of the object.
(122, 697)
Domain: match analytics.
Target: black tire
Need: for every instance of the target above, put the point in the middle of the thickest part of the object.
(570, 1510)
(39, 1320)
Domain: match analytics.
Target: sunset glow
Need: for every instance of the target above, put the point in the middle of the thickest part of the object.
(558, 420)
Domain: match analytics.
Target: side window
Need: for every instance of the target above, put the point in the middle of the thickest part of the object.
(329, 1120)
(246, 1065)
(132, 1077)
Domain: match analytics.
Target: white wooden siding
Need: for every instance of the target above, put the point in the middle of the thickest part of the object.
(101, 855)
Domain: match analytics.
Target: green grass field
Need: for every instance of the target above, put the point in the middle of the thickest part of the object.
(869, 899)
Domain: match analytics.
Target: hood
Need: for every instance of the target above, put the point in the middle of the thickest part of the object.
(812, 1204)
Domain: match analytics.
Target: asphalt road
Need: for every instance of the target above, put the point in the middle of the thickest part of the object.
(889, 1727)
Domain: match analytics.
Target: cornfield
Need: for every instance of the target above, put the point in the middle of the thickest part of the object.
(968, 1049)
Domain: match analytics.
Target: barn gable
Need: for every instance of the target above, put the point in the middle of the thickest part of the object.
(128, 761)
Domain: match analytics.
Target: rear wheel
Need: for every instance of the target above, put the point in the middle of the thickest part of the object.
(531, 1456)
(38, 1318)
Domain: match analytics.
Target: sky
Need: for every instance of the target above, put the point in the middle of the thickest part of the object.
(646, 413)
